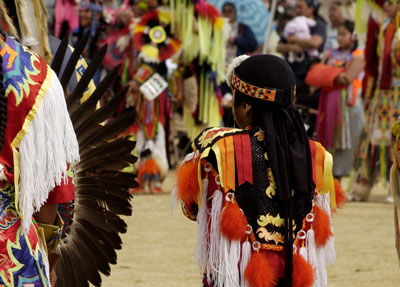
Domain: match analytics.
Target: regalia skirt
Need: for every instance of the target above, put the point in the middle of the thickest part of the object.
(374, 155)
(339, 127)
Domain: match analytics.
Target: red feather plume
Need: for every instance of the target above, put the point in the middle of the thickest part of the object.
(233, 222)
(339, 194)
(321, 226)
(258, 272)
(303, 274)
(187, 182)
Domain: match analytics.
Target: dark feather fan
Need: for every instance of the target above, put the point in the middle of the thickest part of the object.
(93, 223)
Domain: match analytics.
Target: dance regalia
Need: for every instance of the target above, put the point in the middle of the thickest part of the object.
(45, 123)
(227, 186)
(38, 143)
(155, 43)
(395, 186)
(376, 139)
(340, 115)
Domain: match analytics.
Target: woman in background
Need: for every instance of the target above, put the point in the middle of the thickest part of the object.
(340, 112)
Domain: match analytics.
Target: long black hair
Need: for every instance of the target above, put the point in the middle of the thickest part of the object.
(349, 26)
(285, 138)
(316, 5)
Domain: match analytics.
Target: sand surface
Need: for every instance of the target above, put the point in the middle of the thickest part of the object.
(158, 248)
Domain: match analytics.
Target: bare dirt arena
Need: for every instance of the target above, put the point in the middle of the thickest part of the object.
(158, 249)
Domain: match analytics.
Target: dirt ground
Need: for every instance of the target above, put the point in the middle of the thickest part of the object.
(158, 248)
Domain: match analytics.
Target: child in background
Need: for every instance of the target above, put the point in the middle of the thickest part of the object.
(149, 174)
(300, 28)
(340, 112)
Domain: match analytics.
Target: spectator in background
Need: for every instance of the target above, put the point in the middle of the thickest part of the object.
(336, 17)
(241, 39)
(340, 113)
(300, 67)
(90, 19)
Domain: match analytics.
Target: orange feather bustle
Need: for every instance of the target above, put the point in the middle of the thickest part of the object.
(233, 222)
(187, 182)
(303, 274)
(339, 194)
(258, 272)
(321, 226)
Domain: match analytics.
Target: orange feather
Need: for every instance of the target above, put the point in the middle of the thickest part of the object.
(258, 272)
(321, 226)
(233, 222)
(340, 195)
(187, 182)
(303, 274)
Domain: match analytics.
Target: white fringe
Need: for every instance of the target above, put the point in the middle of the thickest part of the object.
(215, 234)
(303, 252)
(324, 201)
(223, 255)
(201, 255)
(235, 62)
(174, 199)
(48, 146)
(322, 274)
(246, 254)
(330, 253)
(232, 269)
(312, 254)
(188, 157)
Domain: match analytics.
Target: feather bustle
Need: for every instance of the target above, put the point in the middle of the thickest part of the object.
(88, 107)
(87, 76)
(76, 54)
(59, 56)
(108, 132)
(102, 190)
(103, 113)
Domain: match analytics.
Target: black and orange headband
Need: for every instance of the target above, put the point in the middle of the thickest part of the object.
(277, 96)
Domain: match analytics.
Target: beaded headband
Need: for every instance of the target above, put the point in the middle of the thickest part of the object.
(262, 93)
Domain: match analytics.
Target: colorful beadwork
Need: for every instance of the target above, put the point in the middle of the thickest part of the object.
(253, 91)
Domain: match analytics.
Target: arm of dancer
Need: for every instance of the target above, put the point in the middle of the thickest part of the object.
(355, 67)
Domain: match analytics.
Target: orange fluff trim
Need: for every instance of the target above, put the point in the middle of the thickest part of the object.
(321, 226)
(187, 182)
(233, 222)
(303, 274)
(339, 194)
(258, 272)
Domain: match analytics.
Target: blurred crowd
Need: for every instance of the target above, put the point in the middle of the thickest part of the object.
(173, 56)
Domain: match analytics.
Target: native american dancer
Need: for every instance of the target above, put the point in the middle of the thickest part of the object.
(262, 194)
(374, 155)
(38, 141)
(155, 43)
(45, 130)
(395, 186)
